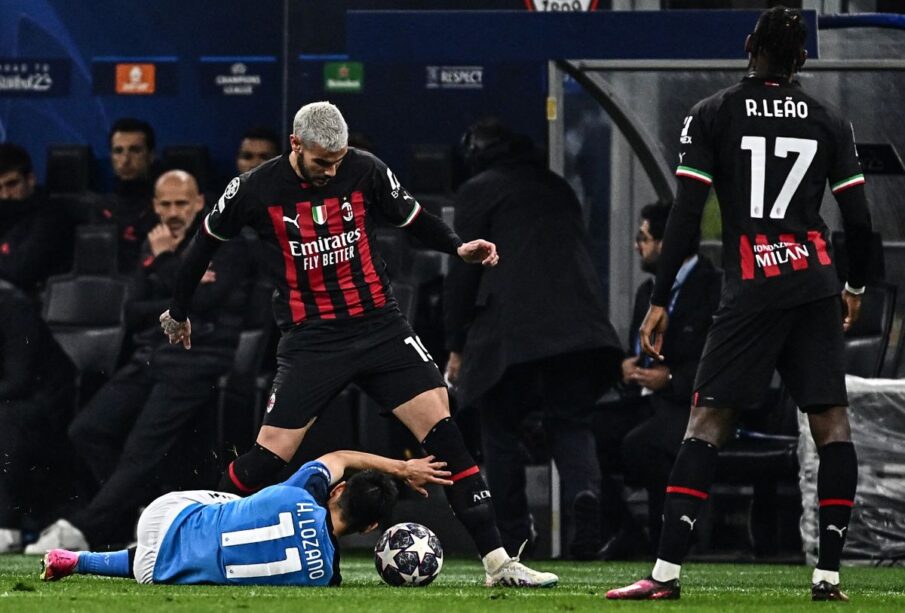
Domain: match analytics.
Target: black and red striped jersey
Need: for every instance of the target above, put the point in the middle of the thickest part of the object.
(318, 242)
(769, 149)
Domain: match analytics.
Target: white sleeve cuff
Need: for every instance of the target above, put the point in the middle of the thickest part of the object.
(856, 291)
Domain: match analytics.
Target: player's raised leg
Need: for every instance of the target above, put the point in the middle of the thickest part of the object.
(427, 416)
(689, 487)
(837, 478)
(59, 563)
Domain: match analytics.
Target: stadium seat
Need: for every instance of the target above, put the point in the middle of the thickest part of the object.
(70, 169)
(86, 314)
(243, 387)
(430, 169)
(867, 340)
(194, 159)
(95, 250)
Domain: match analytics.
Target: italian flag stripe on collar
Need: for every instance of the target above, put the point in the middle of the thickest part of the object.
(844, 184)
(694, 173)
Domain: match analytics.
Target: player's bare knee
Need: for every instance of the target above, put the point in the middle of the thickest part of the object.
(424, 411)
(282, 442)
(830, 426)
(711, 425)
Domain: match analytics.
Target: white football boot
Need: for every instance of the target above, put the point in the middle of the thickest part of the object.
(512, 573)
(58, 535)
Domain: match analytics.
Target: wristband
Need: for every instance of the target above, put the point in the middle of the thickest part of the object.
(854, 291)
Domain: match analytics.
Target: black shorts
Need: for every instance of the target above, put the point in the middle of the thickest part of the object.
(384, 357)
(803, 343)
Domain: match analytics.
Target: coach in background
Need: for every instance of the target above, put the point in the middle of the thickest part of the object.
(640, 434)
(126, 431)
(35, 241)
(532, 333)
(37, 383)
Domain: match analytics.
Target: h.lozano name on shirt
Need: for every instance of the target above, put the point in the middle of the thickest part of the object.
(311, 547)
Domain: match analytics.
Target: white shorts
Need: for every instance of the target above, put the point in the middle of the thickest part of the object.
(155, 522)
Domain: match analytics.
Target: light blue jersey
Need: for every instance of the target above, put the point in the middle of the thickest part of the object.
(278, 536)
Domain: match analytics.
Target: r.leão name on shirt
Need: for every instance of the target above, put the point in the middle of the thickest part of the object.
(788, 108)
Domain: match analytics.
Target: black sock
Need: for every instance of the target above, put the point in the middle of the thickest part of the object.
(468, 496)
(837, 478)
(256, 468)
(132, 551)
(689, 486)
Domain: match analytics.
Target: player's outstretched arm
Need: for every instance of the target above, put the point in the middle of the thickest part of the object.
(174, 321)
(416, 473)
(857, 224)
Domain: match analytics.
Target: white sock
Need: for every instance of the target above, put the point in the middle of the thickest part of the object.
(665, 571)
(493, 560)
(830, 576)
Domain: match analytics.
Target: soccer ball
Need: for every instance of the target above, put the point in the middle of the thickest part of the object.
(408, 555)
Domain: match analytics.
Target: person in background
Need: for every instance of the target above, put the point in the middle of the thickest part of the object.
(257, 146)
(35, 240)
(127, 429)
(37, 385)
(531, 333)
(640, 434)
(128, 207)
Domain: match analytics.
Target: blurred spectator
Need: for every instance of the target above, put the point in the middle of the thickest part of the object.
(531, 333)
(37, 384)
(640, 435)
(127, 430)
(258, 145)
(35, 241)
(132, 145)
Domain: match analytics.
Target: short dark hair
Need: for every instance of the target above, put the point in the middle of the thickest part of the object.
(14, 158)
(369, 497)
(657, 214)
(130, 124)
(780, 35)
(262, 133)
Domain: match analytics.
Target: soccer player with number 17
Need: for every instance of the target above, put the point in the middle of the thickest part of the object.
(768, 149)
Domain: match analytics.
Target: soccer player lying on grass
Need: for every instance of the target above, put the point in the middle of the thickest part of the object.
(284, 534)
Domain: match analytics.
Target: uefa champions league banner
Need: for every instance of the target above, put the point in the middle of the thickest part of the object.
(239, 76)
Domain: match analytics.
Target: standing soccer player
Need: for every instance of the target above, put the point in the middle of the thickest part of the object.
(314, 210)
(769, 149)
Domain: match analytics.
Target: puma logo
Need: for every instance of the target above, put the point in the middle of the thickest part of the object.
(834, 528)
(689, 521)
(293, 220)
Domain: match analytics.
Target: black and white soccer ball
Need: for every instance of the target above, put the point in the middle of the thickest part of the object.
(408, 555)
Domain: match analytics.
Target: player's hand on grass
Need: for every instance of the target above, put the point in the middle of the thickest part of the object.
(479, 252)
(419, 472)
(652, 330)
(176, 331)
(851, 304)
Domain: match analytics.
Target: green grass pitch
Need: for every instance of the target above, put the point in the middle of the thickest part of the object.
(707, 587)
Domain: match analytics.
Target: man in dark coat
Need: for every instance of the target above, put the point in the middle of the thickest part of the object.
(35, 240)
(640, 435)
(127, 429)
(531, 334)
(37, 383)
